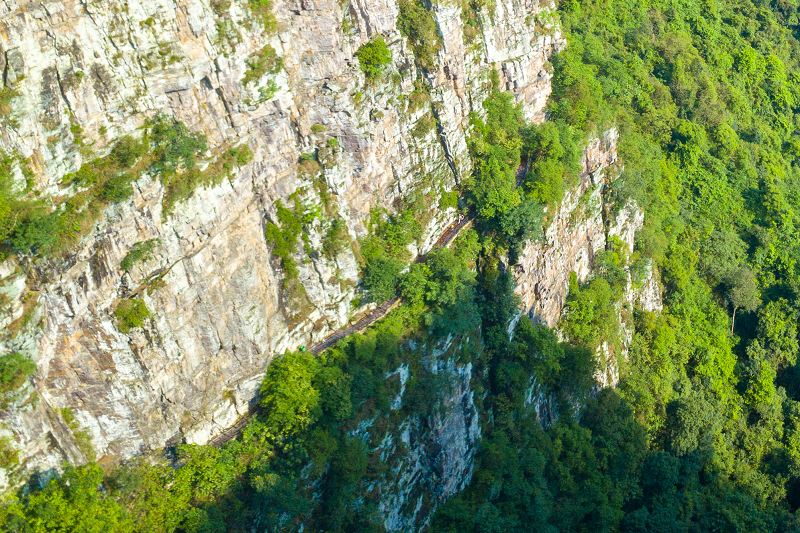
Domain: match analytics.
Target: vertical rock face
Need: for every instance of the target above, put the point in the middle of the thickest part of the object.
(87, 72)
(576, 234)
(578, 231)
(429, 456)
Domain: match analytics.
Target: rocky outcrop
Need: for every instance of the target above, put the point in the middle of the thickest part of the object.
(577, 232)
(429, 456)
(87, 73)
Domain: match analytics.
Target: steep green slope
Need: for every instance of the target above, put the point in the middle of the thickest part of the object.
(703, 432)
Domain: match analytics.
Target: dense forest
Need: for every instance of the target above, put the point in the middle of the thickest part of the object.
(703, 430)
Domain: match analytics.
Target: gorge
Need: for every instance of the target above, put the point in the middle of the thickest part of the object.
(399, 265)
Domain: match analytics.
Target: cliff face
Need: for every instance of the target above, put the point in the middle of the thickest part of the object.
(87, 73)
(430, 456)
(576, 234)
(429, 449)
(581, 228)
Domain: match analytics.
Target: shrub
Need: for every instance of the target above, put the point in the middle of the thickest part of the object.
(15, 368)
(419, 26)
(448, 199)
(37, 232)
(82, 438)
(173, 146)
(289, 396)
(262, 9)
(238, 156)
(221, 7)
(74, 501)
(335, 394)
(42, 230)
(141, 251)
(336, 238)
(381, 278)
(283, 237)
(423, 127)
(265, 61)
(373, 57)
(117, 188)
(9, 456)
(131, 313)
(126, 152)
(181, 186)
(385, 251)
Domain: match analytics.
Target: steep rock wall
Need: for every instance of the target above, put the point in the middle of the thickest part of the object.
(574, 236)
(429, 452)
(579, 229)
(89, 72)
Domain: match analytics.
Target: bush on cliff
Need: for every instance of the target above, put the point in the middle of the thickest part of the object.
(373, 57)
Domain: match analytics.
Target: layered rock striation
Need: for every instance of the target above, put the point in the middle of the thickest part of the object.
(86, 73)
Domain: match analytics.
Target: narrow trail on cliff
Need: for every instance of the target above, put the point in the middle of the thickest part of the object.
(444, 240)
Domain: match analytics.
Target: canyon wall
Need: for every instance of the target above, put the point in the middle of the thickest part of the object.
(582, 227)
(85, 73)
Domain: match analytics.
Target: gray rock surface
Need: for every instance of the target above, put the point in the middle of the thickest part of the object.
(221, 313)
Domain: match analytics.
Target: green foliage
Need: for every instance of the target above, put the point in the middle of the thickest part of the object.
(416, 22)
(553, 152)
(591, 315)
(15, 369)
(265, 61)
(140, 252)
(503, 208)
(150, 506)
(289, 396)
(283, 237)
(168, 149)
(448, 200)
(385, 252)
(336, 238)
(37, 228)
(373, 57)
(131, 313)
(174, 148)
(9, 456)
(703, 432)
(7, 95)
(381, 277)
(221, 7)
(701, 95)
(82, 438)
(174, 157)
(69, 503)
(180, 187)
(262, 10)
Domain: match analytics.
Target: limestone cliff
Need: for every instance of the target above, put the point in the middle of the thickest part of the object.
(429, 444)
(85, 73)
(578, 230)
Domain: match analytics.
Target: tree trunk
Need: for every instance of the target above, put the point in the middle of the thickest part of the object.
(733, 319)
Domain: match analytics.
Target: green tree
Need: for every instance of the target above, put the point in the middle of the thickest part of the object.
(742, 292)
(74, 502)
(288, 395)
(373, 57)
